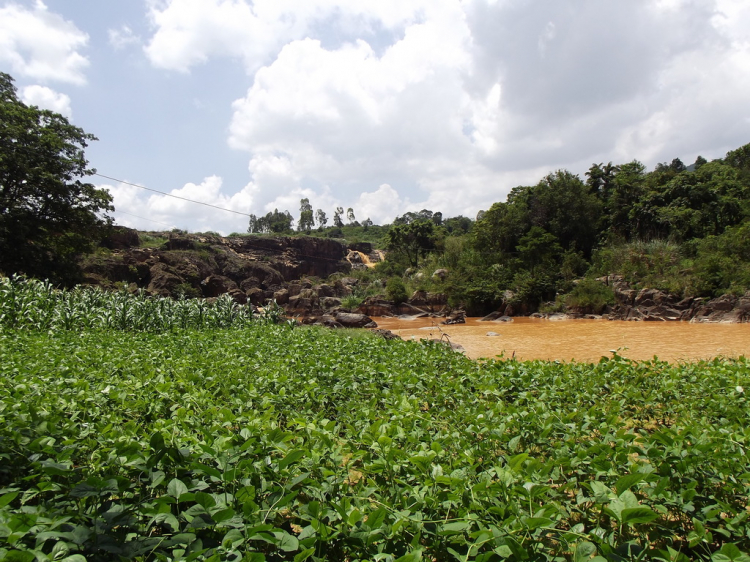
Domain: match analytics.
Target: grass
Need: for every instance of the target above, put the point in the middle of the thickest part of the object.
(261, 441)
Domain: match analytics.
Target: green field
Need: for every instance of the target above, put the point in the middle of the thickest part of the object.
(263, 441)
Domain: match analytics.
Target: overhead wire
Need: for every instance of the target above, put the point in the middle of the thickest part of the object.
(173, 196)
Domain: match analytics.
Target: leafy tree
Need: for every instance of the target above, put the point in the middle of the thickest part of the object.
(48, 215)
(337, 220)
(273, 222)
(412, 241)
(350, 217)
(306, 220)
(320, 216)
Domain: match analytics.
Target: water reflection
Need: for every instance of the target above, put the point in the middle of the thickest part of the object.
(583, 340)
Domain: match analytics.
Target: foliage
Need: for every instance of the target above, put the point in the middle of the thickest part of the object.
(48, 215)
(590, 296)
(270, 443)
(275, 221)
(37, 305)
(413, 240)
(306, 218)
(396, 290)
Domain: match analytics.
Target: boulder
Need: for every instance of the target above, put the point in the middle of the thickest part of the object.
(281, 296)
(385, 334)
(324, 290)
(354, 320)
(455, 317)
(440, 274)
(163, 281)
(373, 306)
(217, 285)
(255, 296)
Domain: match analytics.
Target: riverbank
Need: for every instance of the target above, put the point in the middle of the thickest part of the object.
(580, 340)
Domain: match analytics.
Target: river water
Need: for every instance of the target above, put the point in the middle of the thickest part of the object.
(582, 340)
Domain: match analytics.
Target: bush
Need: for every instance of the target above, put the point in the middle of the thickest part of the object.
(590, 296)
(396, 290)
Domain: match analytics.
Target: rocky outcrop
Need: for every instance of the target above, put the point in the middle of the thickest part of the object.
(653, 305)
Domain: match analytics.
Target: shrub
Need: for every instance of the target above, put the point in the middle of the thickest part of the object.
(396, 290)
(590, 296)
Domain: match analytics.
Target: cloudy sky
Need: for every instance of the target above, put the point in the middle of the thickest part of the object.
(380, 105)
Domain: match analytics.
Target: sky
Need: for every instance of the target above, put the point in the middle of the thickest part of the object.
(384, 106)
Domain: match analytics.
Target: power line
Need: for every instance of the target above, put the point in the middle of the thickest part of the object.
(174, 196)
(144, 218)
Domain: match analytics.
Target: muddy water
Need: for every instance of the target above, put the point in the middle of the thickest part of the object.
(583, 340)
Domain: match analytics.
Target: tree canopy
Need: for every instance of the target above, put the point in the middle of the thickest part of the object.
(48, 215)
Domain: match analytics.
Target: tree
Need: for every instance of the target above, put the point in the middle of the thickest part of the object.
(306, 221)
(337, 221)
(320, 216)
(412, 240)
(48, 215)
(350, 217)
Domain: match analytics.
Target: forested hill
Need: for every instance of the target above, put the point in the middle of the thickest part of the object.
(682, 229)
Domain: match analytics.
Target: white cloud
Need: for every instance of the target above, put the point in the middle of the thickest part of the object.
(46, 98)
(447, 105)
(122, 37)
(142, 209)
(41, 45)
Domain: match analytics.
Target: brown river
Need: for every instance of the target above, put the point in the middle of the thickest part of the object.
(582, 340)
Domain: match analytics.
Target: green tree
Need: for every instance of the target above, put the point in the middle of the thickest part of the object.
(306, 220)
(320, 216)
(337, 220)
(48, 215)
(412, 241)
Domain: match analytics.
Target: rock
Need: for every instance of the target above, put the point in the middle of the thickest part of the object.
(328, 321)
(281, 297)
(557, 316)
(238, 296)
(372, 306)
(492, 334)
(385, 334)
(724, 303)
(163, 282)
(457, 317)
(179, 243)
(255, 296)
(453, 346)
(440, 274)
(217, 285)
(121, 238)
(324, 290)
(364, 247)
(504, 319)
(491, 316)
(354, 320)
(330, 302)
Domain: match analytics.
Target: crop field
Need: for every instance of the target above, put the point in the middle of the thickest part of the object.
(239, 438)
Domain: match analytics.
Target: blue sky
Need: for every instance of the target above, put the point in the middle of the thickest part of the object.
(380, 105)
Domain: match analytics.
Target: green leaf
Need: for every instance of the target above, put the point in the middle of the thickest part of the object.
(7, 498)
(634, 515)
(730, 553)
(286, 542)
(176, 488)
(536, 522)
(291, 457)
(627, 482)
(376, 518)
(584, 551)
(304, 555)
(455, 528)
